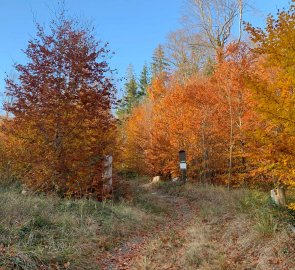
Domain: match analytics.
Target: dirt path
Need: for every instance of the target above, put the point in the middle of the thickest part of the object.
(180, 218)
(209, 228)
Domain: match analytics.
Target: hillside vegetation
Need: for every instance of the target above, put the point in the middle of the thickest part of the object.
(193, 226)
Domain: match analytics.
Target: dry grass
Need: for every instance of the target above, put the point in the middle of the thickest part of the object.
(207, 228)
(47, 232)
(239, 229)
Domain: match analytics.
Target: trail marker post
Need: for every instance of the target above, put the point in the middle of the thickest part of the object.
(182, 164)
(107, 174)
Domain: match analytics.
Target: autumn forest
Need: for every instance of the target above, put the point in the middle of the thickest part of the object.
(221, 89)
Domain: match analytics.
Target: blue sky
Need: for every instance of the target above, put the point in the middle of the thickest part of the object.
(132, 27)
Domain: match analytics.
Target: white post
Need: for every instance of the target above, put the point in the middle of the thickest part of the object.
(107, 175)
(182, 164)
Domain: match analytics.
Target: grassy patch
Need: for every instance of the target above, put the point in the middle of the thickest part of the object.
(236, 229)
(47, 232)
(232, 229)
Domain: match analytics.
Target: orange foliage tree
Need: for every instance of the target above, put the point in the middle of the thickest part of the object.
(204, 115)
(168, 121)
(237, 124)
(272, 82)
(235, 107)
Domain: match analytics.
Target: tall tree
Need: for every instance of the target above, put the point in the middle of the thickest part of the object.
(130, 98)
(272, 83)
(208, 67)
(159, 62)
(61, 107)
(231, 90)
(183, 57)
(214, 19)
(144, 82)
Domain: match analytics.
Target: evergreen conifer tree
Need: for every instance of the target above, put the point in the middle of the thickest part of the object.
(144, 82)
(160, 63)
(130, 98)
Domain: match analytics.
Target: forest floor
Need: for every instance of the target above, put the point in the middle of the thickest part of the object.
(163, 226)
(179, 215)
(211, 228)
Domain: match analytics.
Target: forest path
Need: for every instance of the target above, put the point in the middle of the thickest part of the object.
(181, 216)
(208, 228)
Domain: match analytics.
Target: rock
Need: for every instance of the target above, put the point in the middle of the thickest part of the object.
(24, 192)
(156, 179)
(292, 228)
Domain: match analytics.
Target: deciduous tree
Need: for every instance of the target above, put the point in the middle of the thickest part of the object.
(61, 110)
(272, 82)
(215, 19)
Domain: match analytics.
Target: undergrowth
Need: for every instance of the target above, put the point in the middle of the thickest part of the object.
(47, 232)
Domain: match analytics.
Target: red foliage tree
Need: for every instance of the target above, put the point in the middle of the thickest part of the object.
(61, 110)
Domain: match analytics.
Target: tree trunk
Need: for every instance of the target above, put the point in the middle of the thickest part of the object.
(204, 173)
(230, 142)
(241, 10)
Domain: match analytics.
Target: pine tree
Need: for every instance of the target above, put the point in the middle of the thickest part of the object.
(208, 68)
(144, 82)
(160, 64)
(130, 98)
